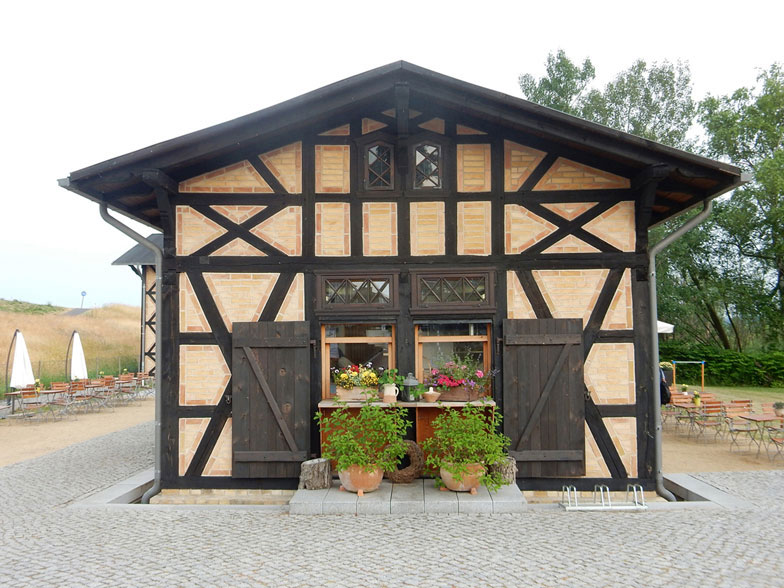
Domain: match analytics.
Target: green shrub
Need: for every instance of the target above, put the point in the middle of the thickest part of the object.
(725, 367)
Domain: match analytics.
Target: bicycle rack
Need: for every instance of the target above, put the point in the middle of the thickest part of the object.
(602, 500)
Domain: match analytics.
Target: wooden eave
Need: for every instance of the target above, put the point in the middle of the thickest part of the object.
(120, 182)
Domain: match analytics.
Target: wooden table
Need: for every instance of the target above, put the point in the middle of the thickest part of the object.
(17, 394)
(760, 420)
(424, 412)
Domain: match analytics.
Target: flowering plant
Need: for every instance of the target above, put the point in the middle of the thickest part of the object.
(355, 375)
(390, 376)
(459, 371)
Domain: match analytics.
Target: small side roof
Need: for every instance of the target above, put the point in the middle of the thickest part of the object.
(139, 254)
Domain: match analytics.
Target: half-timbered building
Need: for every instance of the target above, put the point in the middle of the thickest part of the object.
(392, 217)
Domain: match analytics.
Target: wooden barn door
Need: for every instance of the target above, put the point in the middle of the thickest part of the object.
(544, 406)
(270, 399)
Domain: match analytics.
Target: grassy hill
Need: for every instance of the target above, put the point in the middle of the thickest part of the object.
(110, 337)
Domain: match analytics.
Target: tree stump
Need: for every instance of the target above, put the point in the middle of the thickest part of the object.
(315, 474)
(507, 467)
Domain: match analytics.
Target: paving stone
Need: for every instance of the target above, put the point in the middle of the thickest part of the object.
(46, 543)
(480, 502)
(507, 499)
(307, 502)
(376, 502)
(408, 498)
(438, 501)
(338, 501)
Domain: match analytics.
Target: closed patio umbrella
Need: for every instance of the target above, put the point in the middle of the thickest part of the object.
(22, 369)
(78, 363)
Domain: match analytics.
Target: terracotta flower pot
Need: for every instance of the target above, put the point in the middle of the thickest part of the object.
(470, 479)
(356, 479)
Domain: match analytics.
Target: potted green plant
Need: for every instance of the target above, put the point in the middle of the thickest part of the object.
(778, 408)
(464, 444)
(364, 443)
(461, 378)
(666, 367)
(389, 383)
(355, 382)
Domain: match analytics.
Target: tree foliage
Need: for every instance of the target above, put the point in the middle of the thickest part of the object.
(722, 283)
(747, 127)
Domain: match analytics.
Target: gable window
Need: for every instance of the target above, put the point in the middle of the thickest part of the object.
(379, 167)
(427, 166)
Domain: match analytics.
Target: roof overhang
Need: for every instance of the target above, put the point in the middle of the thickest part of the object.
(128, 183)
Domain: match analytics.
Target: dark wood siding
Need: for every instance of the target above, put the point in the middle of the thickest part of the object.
(271, 399)
(544, 412)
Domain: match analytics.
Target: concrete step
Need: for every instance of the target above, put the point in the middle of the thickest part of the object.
(421, 496)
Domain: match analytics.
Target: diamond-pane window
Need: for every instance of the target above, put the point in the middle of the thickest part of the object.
(427, 165)
(378, 167)
(452, 289)
(356, 291)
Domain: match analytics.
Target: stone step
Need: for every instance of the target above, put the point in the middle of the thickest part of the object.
(419, 497)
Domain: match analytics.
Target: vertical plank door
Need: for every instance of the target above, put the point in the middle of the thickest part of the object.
(544, 405)
(270, 399)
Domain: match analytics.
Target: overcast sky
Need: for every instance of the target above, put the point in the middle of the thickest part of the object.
(88, 81)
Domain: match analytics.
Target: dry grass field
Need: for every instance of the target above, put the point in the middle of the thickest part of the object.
(107, 333)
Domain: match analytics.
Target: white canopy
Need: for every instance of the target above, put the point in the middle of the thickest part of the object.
(78, 363)
(22, 369)
(663, 327)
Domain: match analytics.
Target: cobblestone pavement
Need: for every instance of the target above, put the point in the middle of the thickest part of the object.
(44, 543)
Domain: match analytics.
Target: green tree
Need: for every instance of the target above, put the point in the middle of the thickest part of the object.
(722, 283)
(747, 127)
(564, 86)
(651, 101)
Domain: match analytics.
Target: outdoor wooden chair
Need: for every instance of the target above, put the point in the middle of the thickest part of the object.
(710, 416)
(31, 406)
(145, 383)
(775, 441)
(126, 388)
(735, 426)
(104, 392)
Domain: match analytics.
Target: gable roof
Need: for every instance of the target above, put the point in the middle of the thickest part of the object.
(127, 183)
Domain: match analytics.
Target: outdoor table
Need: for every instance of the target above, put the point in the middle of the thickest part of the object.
(760, 420)
(13, 396)
(17, 394)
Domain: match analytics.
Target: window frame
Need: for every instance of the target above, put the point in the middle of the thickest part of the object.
(326, 378)
(390, 308)
(446, 150)
(441, 176)
(487, 306)
(365, 148)
(420, 340)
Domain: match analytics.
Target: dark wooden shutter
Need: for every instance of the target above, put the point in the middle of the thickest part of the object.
(270, 399)
(544, 406)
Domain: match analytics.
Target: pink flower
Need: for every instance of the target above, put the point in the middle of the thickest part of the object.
(480, 374)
